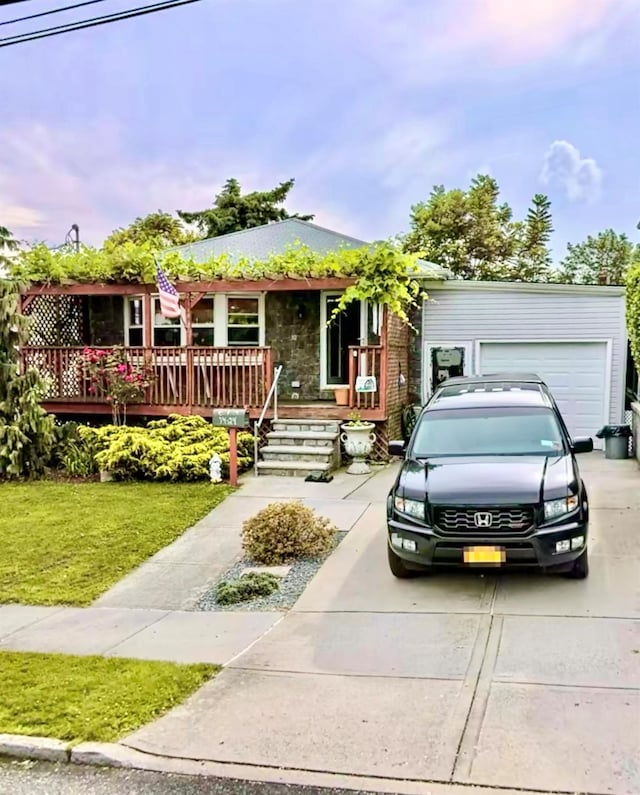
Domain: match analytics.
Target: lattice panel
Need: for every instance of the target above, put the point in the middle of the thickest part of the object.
(264, 429)
(380, 450)
(61, 370)
(42, 363)
(56, 320)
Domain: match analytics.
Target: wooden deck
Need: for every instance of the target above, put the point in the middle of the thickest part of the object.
(195, 380)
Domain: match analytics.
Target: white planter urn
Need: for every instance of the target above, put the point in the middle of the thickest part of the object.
(358, 443)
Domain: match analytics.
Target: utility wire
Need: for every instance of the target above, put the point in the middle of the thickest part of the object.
(45, 33)
(53, 11)
(73, 23)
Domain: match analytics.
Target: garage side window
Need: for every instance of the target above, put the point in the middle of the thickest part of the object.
(446, 363)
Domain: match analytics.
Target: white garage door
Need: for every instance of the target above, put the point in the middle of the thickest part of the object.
(576, 373)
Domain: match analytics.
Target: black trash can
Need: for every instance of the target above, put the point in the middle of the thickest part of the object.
(616, 440)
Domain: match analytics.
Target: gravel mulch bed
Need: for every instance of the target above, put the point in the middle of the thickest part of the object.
(291, 587)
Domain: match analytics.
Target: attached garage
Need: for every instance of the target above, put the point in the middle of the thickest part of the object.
(573, 336)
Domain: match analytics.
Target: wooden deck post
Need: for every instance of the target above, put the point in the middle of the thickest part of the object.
(189, 358)
(384, 360)
(147, 322)
(233, 456)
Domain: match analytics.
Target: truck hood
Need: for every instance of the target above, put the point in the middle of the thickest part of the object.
(487, 480)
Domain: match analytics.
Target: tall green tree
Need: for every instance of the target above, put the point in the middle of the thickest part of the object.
(603, 259)
(7, 244)
(26, 430)
(469, 232)
(633, 311)
(159, 229)
(532, 261)
(233, 211)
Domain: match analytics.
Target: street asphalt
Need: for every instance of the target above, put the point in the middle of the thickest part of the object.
(43, 778)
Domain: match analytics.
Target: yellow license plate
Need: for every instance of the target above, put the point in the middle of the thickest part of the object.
(485, 556)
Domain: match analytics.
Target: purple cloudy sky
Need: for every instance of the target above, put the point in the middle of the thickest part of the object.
(367, 103)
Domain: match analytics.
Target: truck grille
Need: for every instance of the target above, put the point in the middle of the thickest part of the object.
(483, 520)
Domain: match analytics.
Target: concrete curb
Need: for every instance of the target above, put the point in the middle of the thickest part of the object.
(121, 756)
(43, 748)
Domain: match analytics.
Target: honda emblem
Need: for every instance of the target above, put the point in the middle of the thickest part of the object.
(483, 519)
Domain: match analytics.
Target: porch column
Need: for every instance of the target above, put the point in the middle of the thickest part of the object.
(147, 326)
(190, 374)
(384, 359)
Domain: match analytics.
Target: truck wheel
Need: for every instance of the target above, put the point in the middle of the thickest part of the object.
(398, 566)
(580, 568)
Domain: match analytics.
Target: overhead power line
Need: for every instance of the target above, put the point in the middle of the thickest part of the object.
(58, 30)
(53, 11)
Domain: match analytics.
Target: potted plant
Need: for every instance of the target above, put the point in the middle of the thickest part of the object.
(341, 394)
(358, 438)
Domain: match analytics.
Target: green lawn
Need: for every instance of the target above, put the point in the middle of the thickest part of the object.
(89, 698)
(67, 543)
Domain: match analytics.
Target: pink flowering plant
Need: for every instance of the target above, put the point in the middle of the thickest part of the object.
(115, 378)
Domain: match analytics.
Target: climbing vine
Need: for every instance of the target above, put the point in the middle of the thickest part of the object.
(382, 274)
(633, 312)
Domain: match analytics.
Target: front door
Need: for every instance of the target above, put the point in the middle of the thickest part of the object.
(341, 332)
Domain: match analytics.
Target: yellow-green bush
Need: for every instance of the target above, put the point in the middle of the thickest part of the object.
(284, 531)
(178, 448)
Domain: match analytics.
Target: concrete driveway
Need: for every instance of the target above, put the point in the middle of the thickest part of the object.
(511, 681)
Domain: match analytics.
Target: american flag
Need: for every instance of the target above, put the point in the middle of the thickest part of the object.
(169, 298)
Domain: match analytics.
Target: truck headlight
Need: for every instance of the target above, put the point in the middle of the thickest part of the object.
(554, 509)
(413, 508)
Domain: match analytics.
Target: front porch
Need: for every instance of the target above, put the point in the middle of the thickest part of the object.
(222, 353)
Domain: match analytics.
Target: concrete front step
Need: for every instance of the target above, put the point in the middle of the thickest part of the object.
(319, 454)
(302, 438)
(292, 468)
(320, 426)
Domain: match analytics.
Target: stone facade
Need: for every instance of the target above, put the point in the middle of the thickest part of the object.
(293, 332)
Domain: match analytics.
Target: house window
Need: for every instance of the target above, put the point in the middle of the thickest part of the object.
(202, 322)
(167, 331)
(133, 321)
(243, 321)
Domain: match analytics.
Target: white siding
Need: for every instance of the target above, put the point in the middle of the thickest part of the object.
(472, 314)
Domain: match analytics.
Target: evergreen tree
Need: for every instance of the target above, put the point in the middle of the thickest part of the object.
(7, 244)
(533, 260)
(26, 430)
(232, 211)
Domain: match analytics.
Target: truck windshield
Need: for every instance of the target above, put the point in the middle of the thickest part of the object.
(488, 431)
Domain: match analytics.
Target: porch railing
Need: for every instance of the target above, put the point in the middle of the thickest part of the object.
(190, 376)
(272, 396)
(367, 360)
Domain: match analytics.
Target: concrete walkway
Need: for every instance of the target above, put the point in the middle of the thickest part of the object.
(518, 681)
(177, 576)
(149, 614)
(183, 637)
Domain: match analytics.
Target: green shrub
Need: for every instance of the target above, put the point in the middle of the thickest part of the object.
(75, 449)
(248, 587)
(178, 448)
(633, 312)
(27, 435)
(284, 531)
